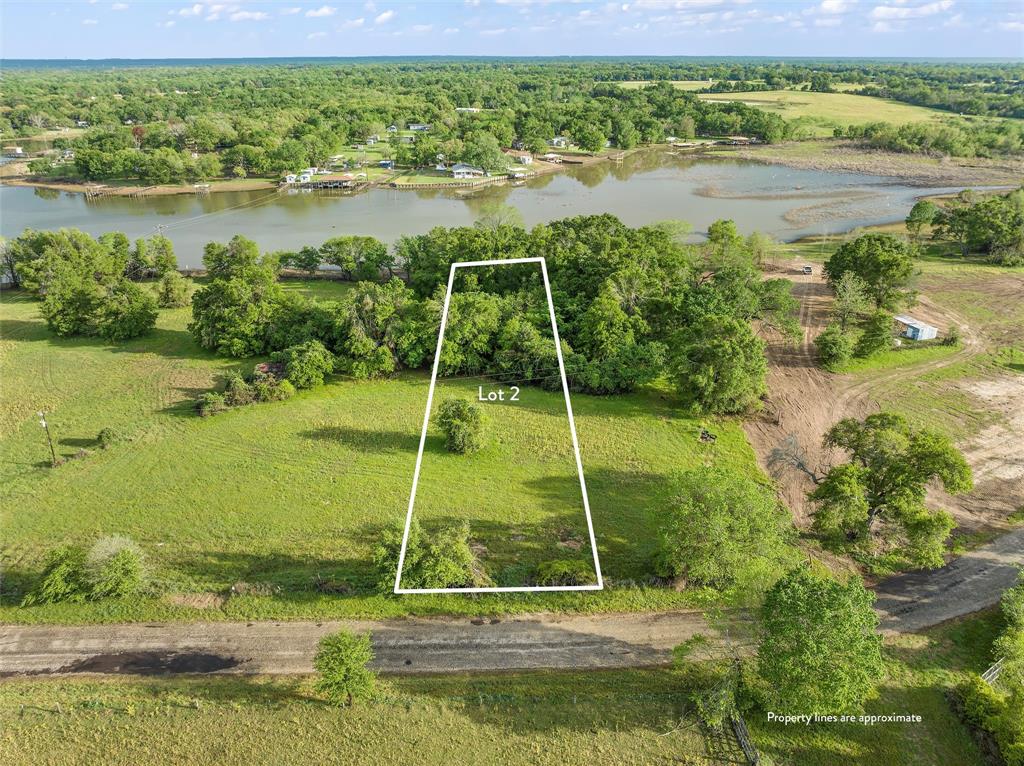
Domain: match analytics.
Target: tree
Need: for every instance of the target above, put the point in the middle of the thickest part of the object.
(922, 214)
(307, 364)
(590, 138)
(128, 311)
(875, 502)
(341, 662)
(233, 313)
(482, 149)
(835, 347)
(161, 254)
(851, 299)
(463, 425)
(441, 560)
(721, 530)
(877, 335)
(885, 264)
(307, 259)
(173, 291)
(818, 649)
(719, 364)
(360, 258)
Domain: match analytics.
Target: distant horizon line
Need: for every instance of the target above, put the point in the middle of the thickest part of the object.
(560, 56)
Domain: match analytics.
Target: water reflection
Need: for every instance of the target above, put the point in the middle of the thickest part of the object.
(644, 187)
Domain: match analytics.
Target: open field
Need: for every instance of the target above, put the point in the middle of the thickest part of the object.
(270, 496)
(615, 717)
(825, 111)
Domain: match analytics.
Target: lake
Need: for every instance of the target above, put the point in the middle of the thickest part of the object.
(646, 187)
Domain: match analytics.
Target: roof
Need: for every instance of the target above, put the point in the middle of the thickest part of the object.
(465, 168)
(909, 321)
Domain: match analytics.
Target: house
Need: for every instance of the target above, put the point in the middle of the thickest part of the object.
(741, 140)
(419, 127)
(290, 178)
(552, 157)
(467, 109)
(915, 329)
(67, 154)
(559, 142)
(129, 122)
(387, 164)
(310, 171)
(371, 140)
(13, 151)
(81, 123)
(441, 166)
(392, 128)
(517, 174)
(464, 171)
(305, 178)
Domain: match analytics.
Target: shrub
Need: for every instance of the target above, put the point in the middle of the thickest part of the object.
(173, 291)
(565, 572)
(107, 437)
(834, 347)
(63, 578)
(284, 390)
(211, 403)
(952, 336)
(441, 560)
(307, 364)
(723, 529)
(237, 392)
(462, 423)
(115, 568)
(340, 663)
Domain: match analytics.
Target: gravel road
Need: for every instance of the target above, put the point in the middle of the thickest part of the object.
(435, 645)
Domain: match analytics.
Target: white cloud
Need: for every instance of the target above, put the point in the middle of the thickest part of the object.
(910, 12)
(451, 30)
(316, 35)
(881, 27)
(167, 24)
(835, 6)
(421, 29)
(89, 22)
(353, 23)
(291, 11)
(384, 18)
(493, 32)
(191, 10)
(322, 11)
(249, 16)
(1011, 26)
(827, 22)
(119, 7)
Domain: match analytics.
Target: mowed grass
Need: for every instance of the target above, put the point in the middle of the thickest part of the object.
(281, 493)
(830, 110)
(637, 717)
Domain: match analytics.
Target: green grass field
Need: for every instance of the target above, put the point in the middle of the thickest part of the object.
(279, 493)
(825, 111)
(640, 717)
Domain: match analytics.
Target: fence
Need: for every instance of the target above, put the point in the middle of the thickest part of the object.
(739, 728)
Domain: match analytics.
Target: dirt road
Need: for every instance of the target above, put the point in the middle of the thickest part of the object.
(435, 645)
(973, 581)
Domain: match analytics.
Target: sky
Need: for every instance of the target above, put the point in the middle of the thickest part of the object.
(827, 28)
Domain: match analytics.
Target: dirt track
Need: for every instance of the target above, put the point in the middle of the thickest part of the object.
(435, 645)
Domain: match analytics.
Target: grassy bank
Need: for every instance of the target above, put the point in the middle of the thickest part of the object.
(271, 497)
(619, 717)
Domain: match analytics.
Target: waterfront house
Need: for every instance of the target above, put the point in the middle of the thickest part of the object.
(290, 178)
(463, 171)
(552, 157)
(305, 178)
(14, 151)
(392, 128)
(419, 127)
(559, 142)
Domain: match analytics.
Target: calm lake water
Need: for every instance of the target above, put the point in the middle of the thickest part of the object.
(647, 187)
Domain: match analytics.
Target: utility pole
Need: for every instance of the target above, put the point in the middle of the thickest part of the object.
(49, 439)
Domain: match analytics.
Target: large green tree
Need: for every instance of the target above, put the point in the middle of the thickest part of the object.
(818, 649)
(884, 262)
(875, 502)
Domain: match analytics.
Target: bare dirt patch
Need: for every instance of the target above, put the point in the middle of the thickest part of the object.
(152, 663)
(197, 600)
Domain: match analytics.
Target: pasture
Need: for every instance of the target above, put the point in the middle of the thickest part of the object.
(270, 497)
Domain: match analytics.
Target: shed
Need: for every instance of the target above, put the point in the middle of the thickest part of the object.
(916, 329)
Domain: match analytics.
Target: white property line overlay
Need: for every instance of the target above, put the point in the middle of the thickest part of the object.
(572, 428)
